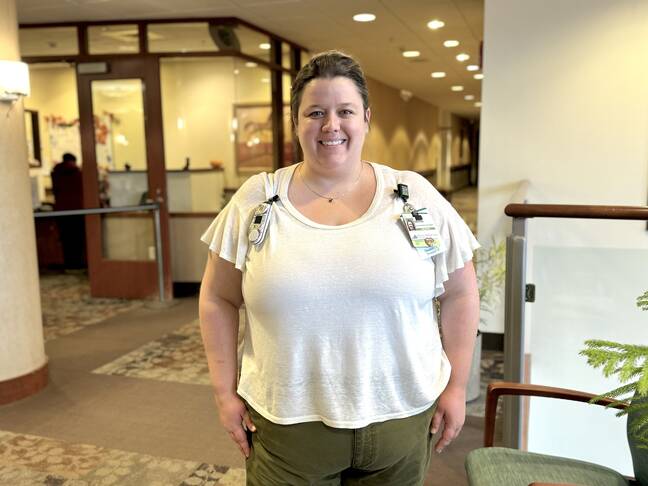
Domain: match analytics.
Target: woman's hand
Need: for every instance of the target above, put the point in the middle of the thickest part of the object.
(235, 418)
(451, 413)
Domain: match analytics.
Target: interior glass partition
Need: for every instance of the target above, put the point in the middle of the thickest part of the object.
(48, 41)
(113, 39)
(217, 127)
(120, 148)
(587, 276)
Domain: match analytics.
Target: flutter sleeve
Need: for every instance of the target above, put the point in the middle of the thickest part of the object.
(459, 243)
(227, 234)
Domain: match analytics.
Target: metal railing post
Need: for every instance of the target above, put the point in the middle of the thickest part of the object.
(123, 209)
(158, 252)
(514, 329)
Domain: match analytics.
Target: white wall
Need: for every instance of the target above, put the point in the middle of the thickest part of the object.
(565, 105)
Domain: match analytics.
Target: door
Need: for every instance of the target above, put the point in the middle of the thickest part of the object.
(123, 165)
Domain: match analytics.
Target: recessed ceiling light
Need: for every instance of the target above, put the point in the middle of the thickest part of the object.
(236, 71)
(469, 97)
(472, 67)
(451, 43)
(478, 76)
(411, 53)
(435, 24)
(477, 104)
(462, 57)
(251, 64)
(265, 46)
(438, 74)
(457, 87)
(364, 17)
(265, 80)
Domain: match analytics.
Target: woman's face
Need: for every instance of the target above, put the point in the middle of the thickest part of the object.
(331, 122)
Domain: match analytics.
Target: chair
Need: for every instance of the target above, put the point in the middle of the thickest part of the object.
(499, 466)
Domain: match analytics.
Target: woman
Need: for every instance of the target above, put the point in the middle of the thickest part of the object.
(342, 362)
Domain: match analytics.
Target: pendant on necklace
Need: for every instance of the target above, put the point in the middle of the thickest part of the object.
(331, 200)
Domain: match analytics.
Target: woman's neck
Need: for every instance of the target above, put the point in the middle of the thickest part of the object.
(327, 178)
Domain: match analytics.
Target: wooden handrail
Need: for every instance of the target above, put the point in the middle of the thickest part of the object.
(499, 388)
(639, 213)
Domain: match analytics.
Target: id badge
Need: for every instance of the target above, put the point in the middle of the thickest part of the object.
(423, 234)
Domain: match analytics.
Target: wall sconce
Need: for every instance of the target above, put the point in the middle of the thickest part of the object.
(14, 80)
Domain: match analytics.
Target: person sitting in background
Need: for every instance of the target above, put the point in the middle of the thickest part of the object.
(67, 185)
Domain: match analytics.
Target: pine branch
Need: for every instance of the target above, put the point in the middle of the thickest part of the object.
(642, 301)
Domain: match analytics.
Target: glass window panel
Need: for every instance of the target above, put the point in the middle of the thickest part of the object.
(253, 43)
(200, 97)
(48, 41)
(305, 57)
(120, 147)
(113, 39)
(285, 55)
(54, 98)
(289, 150)
(182, 37)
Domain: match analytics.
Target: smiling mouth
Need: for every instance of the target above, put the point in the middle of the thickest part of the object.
(331, 143)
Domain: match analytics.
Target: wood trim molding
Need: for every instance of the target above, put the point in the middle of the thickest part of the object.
(23, 386)
(639, 213)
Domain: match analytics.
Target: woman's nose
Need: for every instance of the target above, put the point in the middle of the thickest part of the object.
(332, 123)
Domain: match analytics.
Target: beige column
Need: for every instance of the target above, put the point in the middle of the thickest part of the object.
(23, 364)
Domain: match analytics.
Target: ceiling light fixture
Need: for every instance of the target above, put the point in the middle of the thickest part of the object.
(472, 67)
(251, 64)
(411, 53)
(462, 57)
(457, 88)
(451, 43)
(435, 24)
(438, 74)
(364, 17)
(478, 104)
(469, 97)
(265, 46)
(478, 76)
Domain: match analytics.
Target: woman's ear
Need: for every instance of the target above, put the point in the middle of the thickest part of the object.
(367, 118)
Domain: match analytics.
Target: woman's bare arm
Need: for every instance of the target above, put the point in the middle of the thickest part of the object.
(220, 300)
(459, 320)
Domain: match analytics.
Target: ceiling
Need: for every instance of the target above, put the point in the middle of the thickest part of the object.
(320, 25)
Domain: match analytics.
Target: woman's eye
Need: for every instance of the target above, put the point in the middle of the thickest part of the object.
(315, 114)
(346, 112)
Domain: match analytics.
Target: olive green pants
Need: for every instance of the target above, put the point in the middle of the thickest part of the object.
(396, 452)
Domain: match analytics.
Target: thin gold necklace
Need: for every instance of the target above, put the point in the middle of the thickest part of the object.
(330, 198)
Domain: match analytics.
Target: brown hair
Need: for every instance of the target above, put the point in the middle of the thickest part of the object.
(328, 65)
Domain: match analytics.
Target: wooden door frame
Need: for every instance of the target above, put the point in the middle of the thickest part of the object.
(122, 278)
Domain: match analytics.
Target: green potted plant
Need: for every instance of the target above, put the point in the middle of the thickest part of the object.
(629, 363)
(490, 266)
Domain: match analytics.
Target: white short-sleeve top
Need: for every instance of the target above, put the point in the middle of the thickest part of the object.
(340, 320)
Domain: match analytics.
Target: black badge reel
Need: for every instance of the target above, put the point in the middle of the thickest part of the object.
(260, 221)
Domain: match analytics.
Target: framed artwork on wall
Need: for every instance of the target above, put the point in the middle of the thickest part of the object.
(32, 132)
(252, 126)
(253, 137)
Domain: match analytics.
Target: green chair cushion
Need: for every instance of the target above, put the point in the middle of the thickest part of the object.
(499, 466)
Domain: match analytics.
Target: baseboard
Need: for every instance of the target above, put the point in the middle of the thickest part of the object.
(186, 289)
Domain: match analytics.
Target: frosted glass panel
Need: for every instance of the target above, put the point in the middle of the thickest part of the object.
(582, 293)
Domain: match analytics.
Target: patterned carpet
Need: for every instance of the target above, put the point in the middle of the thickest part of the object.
(27, 460)
(67, 306)
(177, 356)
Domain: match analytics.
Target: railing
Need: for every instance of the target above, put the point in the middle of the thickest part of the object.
(515, 298)
(123, 209)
